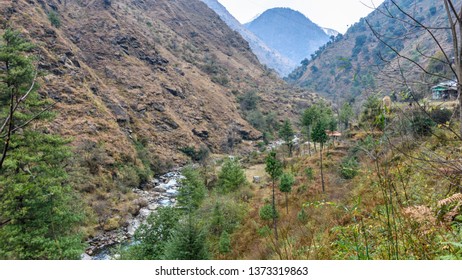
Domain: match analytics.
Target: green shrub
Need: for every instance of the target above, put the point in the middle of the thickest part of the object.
(268, 213)
(309, 173)
(224, 244)
(441, 116)
(231, 176)
(54, 19)
(196, 155)
(421, 124)
(349, 168)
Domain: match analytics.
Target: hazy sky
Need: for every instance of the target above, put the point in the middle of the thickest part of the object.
(336, 14)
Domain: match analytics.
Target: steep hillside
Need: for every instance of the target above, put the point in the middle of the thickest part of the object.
(137, 80)
(289, 32)
(268, 56)
(359, 62)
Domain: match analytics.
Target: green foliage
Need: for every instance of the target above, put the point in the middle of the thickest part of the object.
(192, 191)
(224, 245)
(287, 133)
(359, 43)
(54, 19)
(302, 216)
(319, 133)
(372, 112)
(285, 186)
(151, 238)
(309, 173)
(256, 119)
(127, 177)
(268, 212)
(349, 168)
(39, 212)
(441, 116)
(273, 166)
(188, 242)
(39, 209)
(231, 176)
(421, 124)
(287, 181)
(196, 155)
(227, 215)
(249, 101)
(345, 114)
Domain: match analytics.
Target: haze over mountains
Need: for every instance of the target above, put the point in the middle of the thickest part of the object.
(289, 32)
(268, 56)
(279, 37)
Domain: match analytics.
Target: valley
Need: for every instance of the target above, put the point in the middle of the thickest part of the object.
(163, 130)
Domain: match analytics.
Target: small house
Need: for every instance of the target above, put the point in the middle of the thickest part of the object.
(445, 90)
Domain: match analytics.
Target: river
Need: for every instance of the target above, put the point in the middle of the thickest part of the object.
(162, 192)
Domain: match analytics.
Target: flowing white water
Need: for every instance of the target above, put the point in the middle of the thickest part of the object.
(162, 194)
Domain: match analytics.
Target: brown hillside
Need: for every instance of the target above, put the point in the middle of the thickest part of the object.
(158, 72)
(358, 63)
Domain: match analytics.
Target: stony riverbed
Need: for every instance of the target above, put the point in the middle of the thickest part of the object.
(161, 192)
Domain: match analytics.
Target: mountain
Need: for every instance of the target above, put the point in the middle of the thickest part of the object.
(268, 56)
(289, 32)
(360, 61)
(136, 81)
(330, 31)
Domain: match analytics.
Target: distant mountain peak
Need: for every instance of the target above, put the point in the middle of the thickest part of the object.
(289, 31)
(330, 31)
(266, 55)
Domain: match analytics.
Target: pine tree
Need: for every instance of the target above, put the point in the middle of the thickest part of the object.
(287, 181)
(308, 118)
(188, 242)
(287, 134)
(152, 237)
(39, 212)
(346, 113)
(192, 191)
(274, 169)
(231, 176)
(320, 136)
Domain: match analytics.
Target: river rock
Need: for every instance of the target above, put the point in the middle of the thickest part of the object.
(161, 188)
(153, 207)
(85, 257)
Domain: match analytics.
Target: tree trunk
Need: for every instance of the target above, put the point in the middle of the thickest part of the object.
(322, 174)
(309, 141)
(274, 216)
(287, 205)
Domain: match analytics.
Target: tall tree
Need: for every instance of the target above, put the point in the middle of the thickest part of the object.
(39, 212)
(285, 186)
(308, 118)
(188, 242)
(274, 169)
(192, 191)
(19, 102)
(345, 115)
(286, 132)
(320, 136)
(152, 236)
